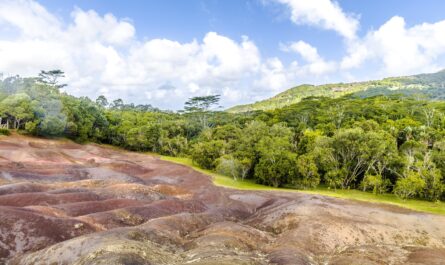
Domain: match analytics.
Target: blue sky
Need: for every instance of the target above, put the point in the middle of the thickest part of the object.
(162, 52)
(263, 21)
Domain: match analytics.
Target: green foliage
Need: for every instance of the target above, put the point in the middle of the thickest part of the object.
(51, 126)
(4, 131)
(428, 85)
(225, 181)
(275, 170)
(198, 109)
(376, 183)
(17, 108)
(229, 166)
(307, 172)
(201, 104)
(379, 144)
(409, 186)
(52, 77)
(205, 154)
(334, 178)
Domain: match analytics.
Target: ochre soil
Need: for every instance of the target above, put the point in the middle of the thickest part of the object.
(64, 203)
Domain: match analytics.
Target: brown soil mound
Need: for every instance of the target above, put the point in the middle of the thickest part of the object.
(64, 203)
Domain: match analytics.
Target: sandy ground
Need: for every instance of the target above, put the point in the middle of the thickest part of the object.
(63, 203)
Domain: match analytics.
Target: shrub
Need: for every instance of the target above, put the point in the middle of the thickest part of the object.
(375, 182)
(307, 173)
(205, 154)
(410, 186)
(4, 131)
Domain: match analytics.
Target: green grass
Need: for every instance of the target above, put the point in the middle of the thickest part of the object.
(224, 181)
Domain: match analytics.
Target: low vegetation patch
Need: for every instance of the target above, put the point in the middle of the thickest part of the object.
(387, 198)
(4, 131)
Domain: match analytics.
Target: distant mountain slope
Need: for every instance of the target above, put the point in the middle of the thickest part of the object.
(429, 85)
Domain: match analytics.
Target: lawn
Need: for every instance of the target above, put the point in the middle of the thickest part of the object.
(224, 181)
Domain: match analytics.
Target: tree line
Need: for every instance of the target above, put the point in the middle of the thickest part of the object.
(378, 144)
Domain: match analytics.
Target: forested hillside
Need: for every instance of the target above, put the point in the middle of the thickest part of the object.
(380, 144)
(431, 86)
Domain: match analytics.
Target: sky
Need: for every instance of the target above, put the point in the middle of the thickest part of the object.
(162, 52)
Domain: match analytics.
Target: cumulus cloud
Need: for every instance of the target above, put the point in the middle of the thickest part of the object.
(274, 75)
(399, 49)
(316, 65)
(325, 14)
(101, 55)
(392, 49)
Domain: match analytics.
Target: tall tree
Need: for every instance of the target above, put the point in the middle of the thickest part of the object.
(102, 101)
(200, 106)
(52, 77)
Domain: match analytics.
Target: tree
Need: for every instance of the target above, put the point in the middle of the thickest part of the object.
(334, 178)
(431, 176)
(307, 172)
(200, 106)
(413, 151)
(52, 125)
(229, 166)
(18, 109)
(307, 141)
(409, 186)
(102, 101)
(173, 146)
(276, 165)
(205, 154)
(376, 182)
(358, 152)
(52, 78)
(438, 156)
(117, 104)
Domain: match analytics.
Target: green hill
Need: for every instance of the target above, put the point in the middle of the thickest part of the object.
(427, 85)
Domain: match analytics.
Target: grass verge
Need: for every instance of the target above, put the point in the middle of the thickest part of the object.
(224, 181)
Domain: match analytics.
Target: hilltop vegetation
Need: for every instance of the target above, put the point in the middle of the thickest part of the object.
(431, 86)
(377, 144)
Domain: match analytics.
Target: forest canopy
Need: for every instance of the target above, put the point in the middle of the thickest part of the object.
(381, 143)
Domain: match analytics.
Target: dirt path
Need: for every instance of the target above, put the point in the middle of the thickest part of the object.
(63, 203)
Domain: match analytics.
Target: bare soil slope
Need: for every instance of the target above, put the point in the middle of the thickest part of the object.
(63, 203)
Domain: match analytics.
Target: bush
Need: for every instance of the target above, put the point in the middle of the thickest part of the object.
(307, 173)
(334, 178)
(376, 183)
(229, 166)
(277, 171)
(4, 131)
(205, 154)
(410, 186)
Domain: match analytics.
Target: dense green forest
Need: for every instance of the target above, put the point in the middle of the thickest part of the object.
(382, 143)
(431, 86)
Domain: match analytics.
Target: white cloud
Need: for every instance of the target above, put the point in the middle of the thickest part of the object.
(30, 17)
(89, 26)
(316, 65)
(325, 14)
(274, 75)
(101, 54)
(398, 49)
(308, 52)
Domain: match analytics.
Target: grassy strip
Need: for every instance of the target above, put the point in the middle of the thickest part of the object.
(224, 181)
